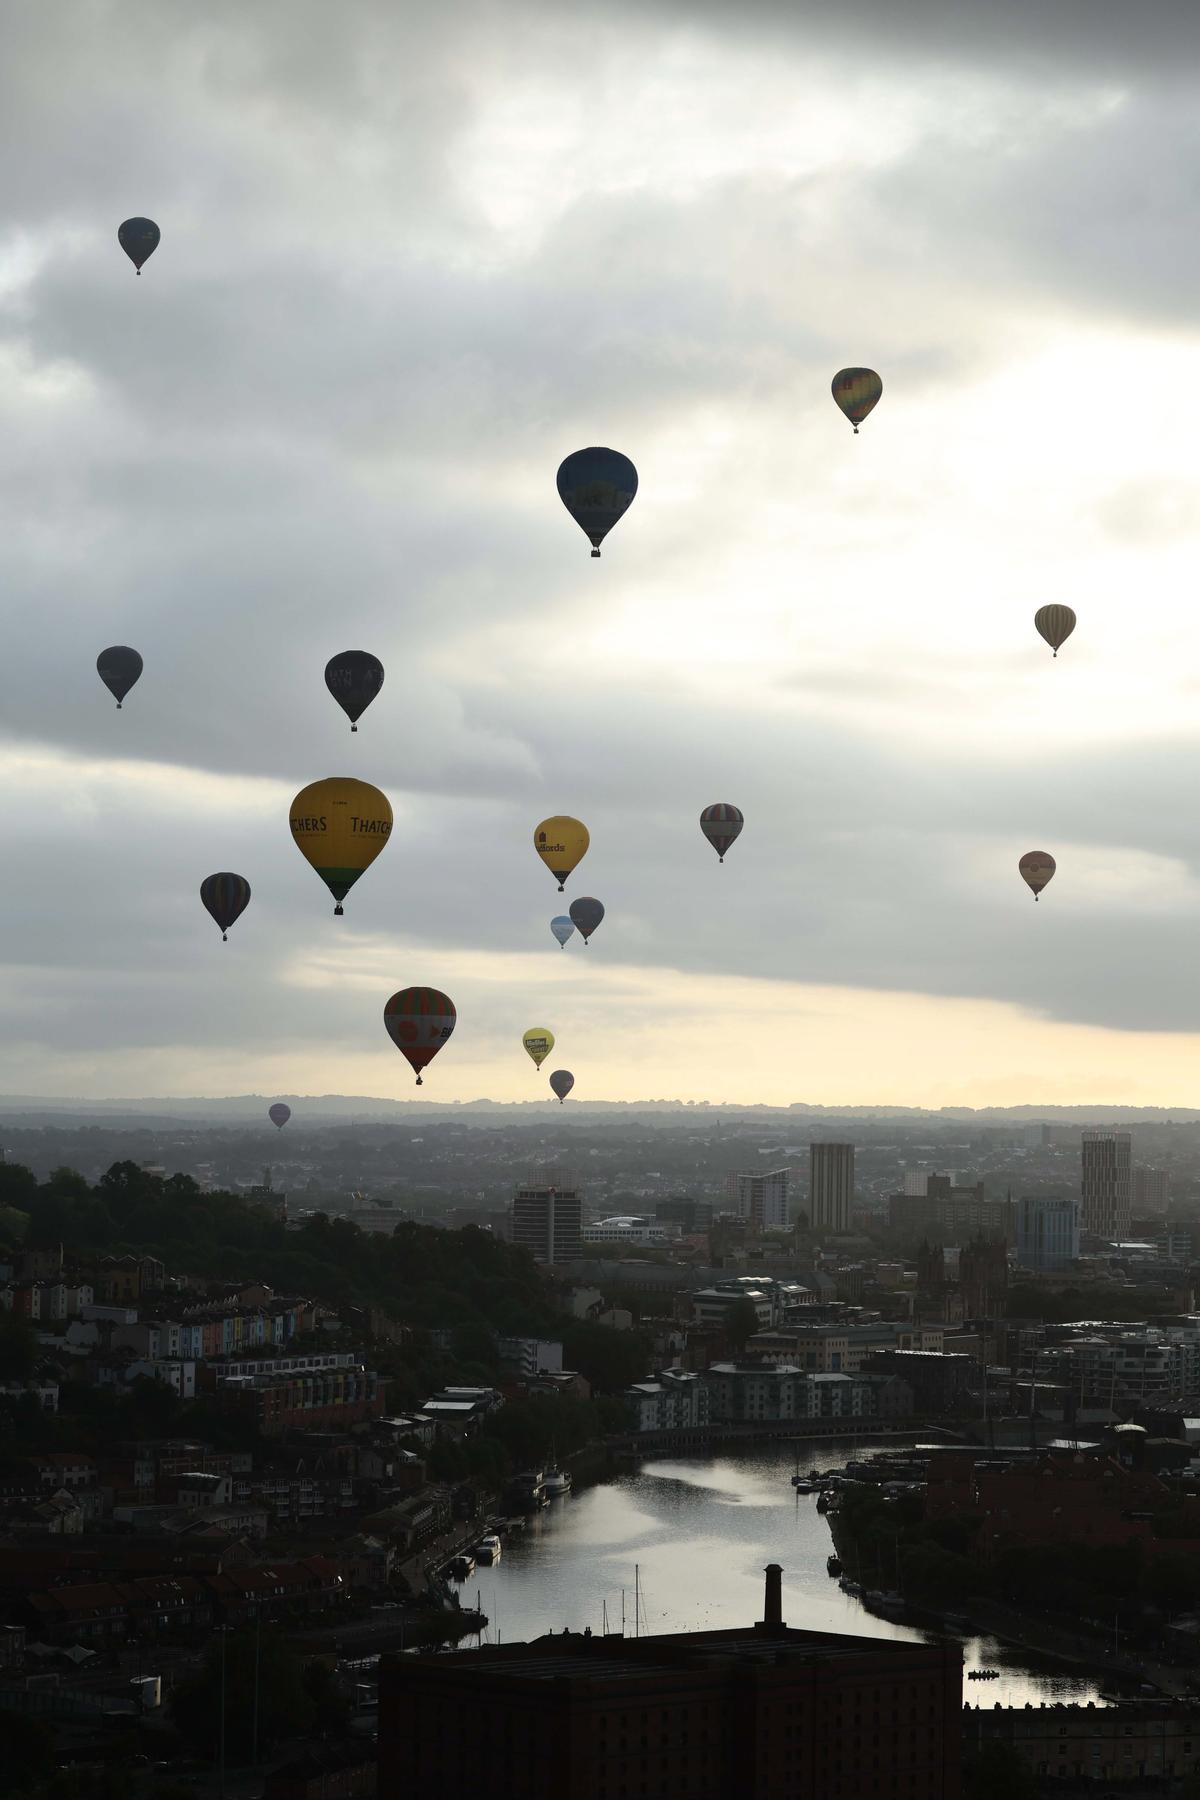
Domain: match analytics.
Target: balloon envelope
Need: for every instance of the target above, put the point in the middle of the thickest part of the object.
(226, 897)
(118, 668)
(563, 928)
(354, 677)
(721, 824)
(539, 1042)
(596, 486)
(419, 1020)
(340, 826)
(1055, 623)
(856, 392)
(138, 238)
(562, 844)
(562, 1081)
(587, 914)
(279, 1114)
(1037, 867)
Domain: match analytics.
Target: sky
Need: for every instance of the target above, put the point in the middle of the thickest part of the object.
(410, 259)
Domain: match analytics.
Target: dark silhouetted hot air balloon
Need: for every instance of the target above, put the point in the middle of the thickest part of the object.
(596, 486)
(118, 668)
(561, 843)
(419, 1020)
(340, 826)
(1037, 867)
(354, 678)
(562, 1081)
(721, 824)
(587, 914)
(563, 928)
(538, 1042)
(279, 1114)
(138, 238)
(226, 897)
(856, 392)
(1055, 623)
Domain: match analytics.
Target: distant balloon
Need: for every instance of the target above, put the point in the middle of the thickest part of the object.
(856, 391)
(596, 486)
(419, 1020)
(562, 844)
(563, 928)
(279, 1114)
(1055, 623)
(587, 914)
(340, 826)
(354, 678)
(138, 238)
(226, 897)
(539, 1043)
(721, 824)
(1037, 867)
(562, 1081)
(118, 668)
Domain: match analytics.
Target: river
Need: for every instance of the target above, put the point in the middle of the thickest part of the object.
(699, 1530)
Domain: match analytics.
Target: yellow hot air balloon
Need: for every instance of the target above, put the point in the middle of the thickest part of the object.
(562, 844)
(539, 1042)
(340, 825)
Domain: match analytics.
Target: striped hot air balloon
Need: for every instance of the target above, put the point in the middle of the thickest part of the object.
(721, 824)
(419, 1020)
(226, 898)
(857, 392)
(1037, 868)
(1055, 623)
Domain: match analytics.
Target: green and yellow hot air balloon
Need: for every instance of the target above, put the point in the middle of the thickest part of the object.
(340, 825)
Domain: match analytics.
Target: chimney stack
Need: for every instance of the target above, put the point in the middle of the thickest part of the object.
(772, 1619)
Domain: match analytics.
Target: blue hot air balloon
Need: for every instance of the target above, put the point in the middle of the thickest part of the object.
(563, 928)
(596, 486)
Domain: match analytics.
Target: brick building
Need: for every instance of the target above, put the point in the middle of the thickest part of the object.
(1149, 1740)
(757, 1713)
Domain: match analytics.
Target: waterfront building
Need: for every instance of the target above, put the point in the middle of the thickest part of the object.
(830, 1186)
(762, 1200)
(762, 1710)
(1047, 1233)
(1148, 1740)
(547, 1219)
(1106, 1183)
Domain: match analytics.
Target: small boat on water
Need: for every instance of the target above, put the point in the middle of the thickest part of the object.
(802, 1485)
(884, 1602)
(854, 1588)
(833, 1565)
(488, 1548)
(460, 1568)
(557, 1481)
(983, 1674)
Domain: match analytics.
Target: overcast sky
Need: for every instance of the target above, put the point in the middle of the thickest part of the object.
(412, 257)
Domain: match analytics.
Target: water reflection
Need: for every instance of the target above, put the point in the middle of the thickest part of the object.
(698, 1531)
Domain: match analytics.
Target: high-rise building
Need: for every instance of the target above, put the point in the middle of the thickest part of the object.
(1047, 1232)
(690, 1215)
(1107, 1187)
(714, 1715)
(1151, 1192)
(762, 1200)
(830, 1186)
(546, 1219)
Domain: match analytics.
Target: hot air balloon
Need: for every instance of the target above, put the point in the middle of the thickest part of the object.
(340, 826)
(563, 928)
(721, 824)
(562, 844)
(587, 914)
(279, 1114)
(1037, 867)
(856, 392)
(596, 486)
(419, 1020)
(138, 238)
(539, 1042)
(1055, 623)
(562, 1081)
(354, 678)
(118, 668)
(226, 897)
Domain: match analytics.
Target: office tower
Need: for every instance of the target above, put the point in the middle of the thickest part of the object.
(759, 1710)
(830, 1186)
(1047, 1233)
(690, 1215)
(1106, 1184)
(546, 1219)
(762, 1200)
(1151, 1192)
(916, 1182)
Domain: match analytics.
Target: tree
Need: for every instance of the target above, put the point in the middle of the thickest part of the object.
(285, 1708)
(26, 1753)
(741, 1323)
(18, 1348)
(997, 1772)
